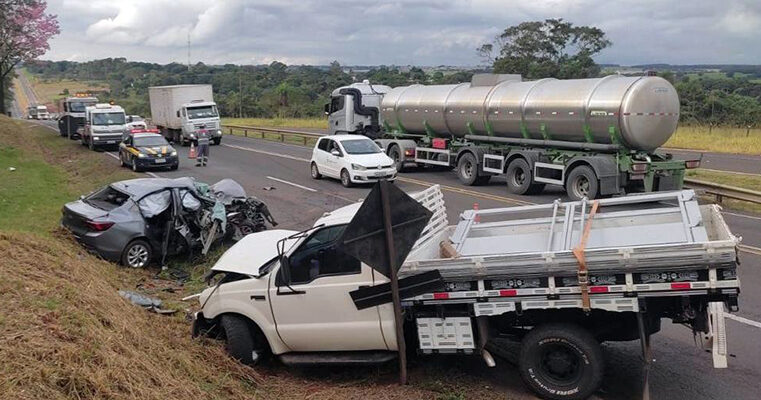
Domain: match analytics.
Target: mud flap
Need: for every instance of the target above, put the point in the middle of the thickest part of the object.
(717, 334)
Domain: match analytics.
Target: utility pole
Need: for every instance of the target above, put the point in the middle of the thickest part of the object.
(240, 95)
(188, 50)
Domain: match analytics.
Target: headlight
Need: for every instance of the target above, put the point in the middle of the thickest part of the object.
(96, 138)
(219, 131)
(358, 167)
(173, 154)
(140, 155)
(192, 136)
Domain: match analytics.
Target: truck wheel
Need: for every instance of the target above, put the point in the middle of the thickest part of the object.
(137, 254)
(396, 154)
(241, 343)
(582, 182)
(315, 172)
(467, 169)
(561, 361)
(520, 179)
(346, 179)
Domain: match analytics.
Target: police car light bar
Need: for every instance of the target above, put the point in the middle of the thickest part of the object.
(144, 131)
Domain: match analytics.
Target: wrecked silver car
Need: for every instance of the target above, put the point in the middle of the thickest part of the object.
(140, 220)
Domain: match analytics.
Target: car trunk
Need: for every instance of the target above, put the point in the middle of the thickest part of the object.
(77, 213)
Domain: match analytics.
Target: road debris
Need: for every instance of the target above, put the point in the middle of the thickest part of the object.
(149, 303)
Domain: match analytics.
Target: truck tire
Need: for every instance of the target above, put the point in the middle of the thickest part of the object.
(314, 171)
(468, 171)
(582, 182)
(242, 343)
(217, 141)
(520, 179)
(396, 154)
(561, 361)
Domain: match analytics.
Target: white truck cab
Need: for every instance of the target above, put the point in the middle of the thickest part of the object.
(356, 108)
(104, 125)
(287, 293)
(182, 111)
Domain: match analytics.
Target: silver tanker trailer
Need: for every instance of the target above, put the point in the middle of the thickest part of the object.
(593, 136)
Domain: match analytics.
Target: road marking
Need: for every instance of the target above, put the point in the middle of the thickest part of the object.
(728, 172)
(112, 154)
(466, 191)
(749, 249)
(266, 152)
(291, 183)
(740, 215)
(742, 320)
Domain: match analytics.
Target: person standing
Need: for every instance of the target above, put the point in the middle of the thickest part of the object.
(203, 148)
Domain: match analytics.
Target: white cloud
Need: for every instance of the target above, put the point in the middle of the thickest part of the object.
(423, 32)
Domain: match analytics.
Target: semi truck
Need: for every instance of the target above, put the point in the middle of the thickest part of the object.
(594, 137)
(38, 112)
(559, 278)
(105, 125)
(72, 113)
(181, 111)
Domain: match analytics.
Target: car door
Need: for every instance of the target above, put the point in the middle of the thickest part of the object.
(333, 162)
(316, 313)
(320, 153)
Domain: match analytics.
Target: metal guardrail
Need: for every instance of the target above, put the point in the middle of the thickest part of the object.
(261, 132)
(724, 191)
(718, 190)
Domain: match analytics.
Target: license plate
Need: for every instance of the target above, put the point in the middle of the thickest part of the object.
(379, 174)
(160, 160)
(111, 142)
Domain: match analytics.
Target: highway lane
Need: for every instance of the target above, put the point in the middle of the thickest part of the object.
(682, 370)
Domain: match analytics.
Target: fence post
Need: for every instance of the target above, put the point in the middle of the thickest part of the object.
(282, 137)
(231, 131)
(747, 131)
(305, 140)
(245, 132)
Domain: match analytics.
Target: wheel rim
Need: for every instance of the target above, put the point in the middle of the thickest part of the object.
(314, 171)
(467, 169)
(519, 177)
(581, 186)
(560, 364)
(345, 178)
(137, 256)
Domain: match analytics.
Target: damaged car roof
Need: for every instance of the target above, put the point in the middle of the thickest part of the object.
(140, 187)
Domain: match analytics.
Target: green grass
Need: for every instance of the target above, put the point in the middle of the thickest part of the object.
(304, 123)
(745, 181)
(718, 139)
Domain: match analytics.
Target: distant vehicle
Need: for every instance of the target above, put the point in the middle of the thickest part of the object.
(181, 111)
(134, 122)
(42, 113)
(132, 221)
(72, 114)
(104, 125)
(352, 159)
(31, 112)
(593, 137)
(146, 148)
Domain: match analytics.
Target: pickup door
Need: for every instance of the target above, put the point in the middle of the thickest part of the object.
(318, 314)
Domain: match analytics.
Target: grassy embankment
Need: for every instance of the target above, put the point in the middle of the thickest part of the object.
(68, 335)
(49, 91)
(719, 139)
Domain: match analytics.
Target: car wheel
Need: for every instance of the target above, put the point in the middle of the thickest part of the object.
(137, 254)
(346, 179)
(217, 141)
(561, 361)
(520, 178)
(582, 182)
(396, 154)
(244, 344)
(121, 160)
(315, 172)
(134, 166)
(174, 167)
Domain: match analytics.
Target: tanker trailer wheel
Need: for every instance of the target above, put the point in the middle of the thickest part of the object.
(520, 179)
(561, 361)
(467, 171)
(582, 182)
(396, 154)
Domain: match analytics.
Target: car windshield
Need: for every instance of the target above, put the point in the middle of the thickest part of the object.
(107, 198)
(360, 146)
(202, 112)
(115, 118)
(79, 106)
(150, 141)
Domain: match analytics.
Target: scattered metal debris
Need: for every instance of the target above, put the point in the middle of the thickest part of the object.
(149, 303)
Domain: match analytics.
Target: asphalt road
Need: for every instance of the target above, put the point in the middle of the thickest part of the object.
(279, 175)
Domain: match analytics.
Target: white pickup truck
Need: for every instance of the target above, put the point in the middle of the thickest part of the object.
(510, 272)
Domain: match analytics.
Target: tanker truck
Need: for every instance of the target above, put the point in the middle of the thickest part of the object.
(594, 137)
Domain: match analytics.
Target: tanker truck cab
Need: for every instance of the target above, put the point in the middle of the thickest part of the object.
(72, 117)
(104, 126)
(356, 109)
(200, 116)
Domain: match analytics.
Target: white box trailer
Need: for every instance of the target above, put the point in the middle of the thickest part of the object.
(181, 111)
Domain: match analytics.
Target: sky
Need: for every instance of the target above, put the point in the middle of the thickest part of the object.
(408, 32)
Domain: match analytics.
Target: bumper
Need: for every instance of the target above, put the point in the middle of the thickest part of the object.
(372, 175)
(106, 140)
(158, 162)
(100, 243)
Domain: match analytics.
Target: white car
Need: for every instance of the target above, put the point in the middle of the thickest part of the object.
(352, 159)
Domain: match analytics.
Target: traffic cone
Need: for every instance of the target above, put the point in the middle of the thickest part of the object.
(477, 219)
(192, 153)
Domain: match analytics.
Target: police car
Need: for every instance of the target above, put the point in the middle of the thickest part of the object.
(146, 148)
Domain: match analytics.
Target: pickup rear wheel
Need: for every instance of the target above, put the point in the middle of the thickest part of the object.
(243, 343)
(561, 361)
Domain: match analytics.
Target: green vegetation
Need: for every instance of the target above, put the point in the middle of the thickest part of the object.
(745, 181)
(302, 123)
(717, 139)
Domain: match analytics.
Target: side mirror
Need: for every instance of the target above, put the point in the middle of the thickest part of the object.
(327, 108)
(335, 153)
(285, 271)
(178, 113)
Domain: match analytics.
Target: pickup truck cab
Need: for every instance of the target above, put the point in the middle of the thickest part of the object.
(286, 293)
(104, 126)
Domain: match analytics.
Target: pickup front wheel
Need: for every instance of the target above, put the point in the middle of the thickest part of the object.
(561, 361)
(243, 342)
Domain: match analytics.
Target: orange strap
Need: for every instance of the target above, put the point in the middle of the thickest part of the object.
(578, 251)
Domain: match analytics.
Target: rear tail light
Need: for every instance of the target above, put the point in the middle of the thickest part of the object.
(409, 153)
(692, 164)
(639, 167)
(99, 226)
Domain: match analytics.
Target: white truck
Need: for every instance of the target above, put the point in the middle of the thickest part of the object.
(181, 111)
(104, 125)
(508, 272)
